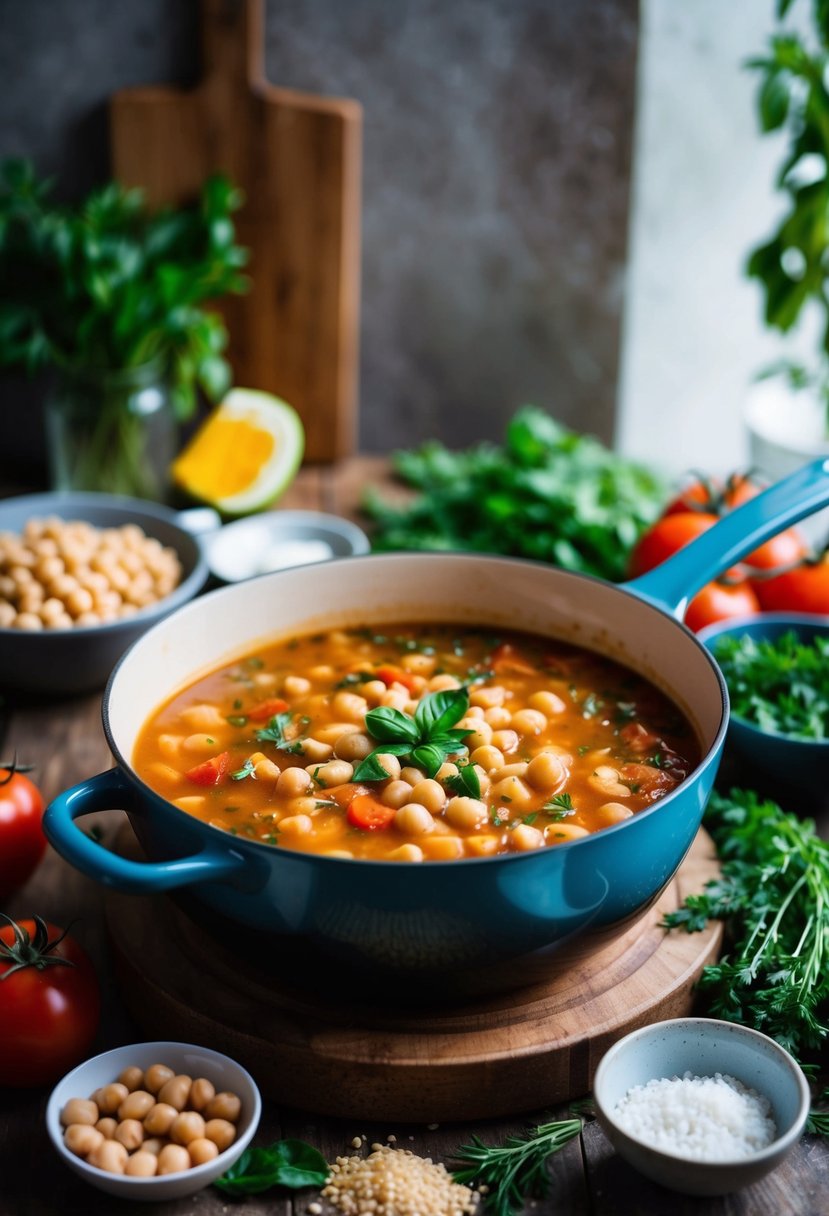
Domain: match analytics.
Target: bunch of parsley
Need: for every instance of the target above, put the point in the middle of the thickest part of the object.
(779, 684)
(548, 494)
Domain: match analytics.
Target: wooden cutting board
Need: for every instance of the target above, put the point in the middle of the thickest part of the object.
(331, 1052)
(298, 159)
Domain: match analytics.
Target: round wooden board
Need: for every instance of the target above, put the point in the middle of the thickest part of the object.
(490, 1057)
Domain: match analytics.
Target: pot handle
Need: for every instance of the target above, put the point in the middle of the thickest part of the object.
(673, 584)
(102, 793)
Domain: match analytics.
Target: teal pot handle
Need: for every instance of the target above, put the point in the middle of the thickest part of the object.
(677, 580)
(102, 793)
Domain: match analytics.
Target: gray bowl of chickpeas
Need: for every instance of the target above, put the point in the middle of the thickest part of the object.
(81, 577)
(153, 1121)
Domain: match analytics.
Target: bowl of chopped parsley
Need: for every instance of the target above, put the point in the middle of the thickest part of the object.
(776, 666)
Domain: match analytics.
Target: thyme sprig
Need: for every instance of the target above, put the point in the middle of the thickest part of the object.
(517, 1169)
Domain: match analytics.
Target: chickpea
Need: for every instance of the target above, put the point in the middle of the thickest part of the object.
(154, 1145)
(335, 772)
(199, 743)
(559, 833)
(28, 620)
(517, 769)
(407, 852)
(187, 1126)
(173, 1159)
(524, 837)
(266, 770)
(107, 1126)
(176, 1091)
(482, 846)
(613, 812)
(389, 764)
(548, 703)
(81, 1139)
(396, 794)
(8, 615)
(353, 746)
(79, 1110)
(412, 819)
(529, 722)
(292, 782)
(315, 750)
(202, 1091)
(447, 769)
(133, 1078)
(296, 825)
(373, 690)
(203, 717)
(443, 682)
(430, 794)
(136, 1105)
(498, 717)
(349, 706)
(141, 1165)
(411, 775)
(221, 1132)
(607, 780)
(488, 698)
(334, 730)
(110, 1097)
(512, 792)
(463, 812)
(156, 1076)
(546, 772)
(296, 686)
(224, 1105)
(489, 758)
(110, 1156)
(130, 1133)
(396, 697)
(158, 1119)
(443, 848)
(505, 740)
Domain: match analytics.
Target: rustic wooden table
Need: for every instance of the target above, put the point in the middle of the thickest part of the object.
(65, 742)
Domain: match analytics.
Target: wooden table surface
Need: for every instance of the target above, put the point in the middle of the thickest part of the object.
(66, 744)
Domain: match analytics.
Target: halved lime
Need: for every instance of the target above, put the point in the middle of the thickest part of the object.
(244, 455)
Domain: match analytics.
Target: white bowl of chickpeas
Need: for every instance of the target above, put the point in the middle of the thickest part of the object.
(81, 577)
(153, 1121)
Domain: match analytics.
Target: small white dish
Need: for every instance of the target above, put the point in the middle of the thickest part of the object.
(188, 1058)
(276, 540)
(702, 1047)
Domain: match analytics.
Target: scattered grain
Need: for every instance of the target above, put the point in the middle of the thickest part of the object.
(396, 1182)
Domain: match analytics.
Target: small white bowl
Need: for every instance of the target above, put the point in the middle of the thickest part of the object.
(703, 1047)
(225, 1074)
(275, 540)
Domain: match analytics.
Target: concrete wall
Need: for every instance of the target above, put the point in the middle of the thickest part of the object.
(497, 154)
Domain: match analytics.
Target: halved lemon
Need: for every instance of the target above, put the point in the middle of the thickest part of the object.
(244, 455)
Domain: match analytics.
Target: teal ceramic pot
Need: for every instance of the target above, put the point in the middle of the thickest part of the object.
(460, 925)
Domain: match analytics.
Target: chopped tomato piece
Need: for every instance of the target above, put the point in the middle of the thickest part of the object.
(650, 781)
(638, 738)
(508, 658)
(396, 675)
(212, 771)
(343, 794)
(267, 709)
(367, 813)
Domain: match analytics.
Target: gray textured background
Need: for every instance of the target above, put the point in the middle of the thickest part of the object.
(495, 192)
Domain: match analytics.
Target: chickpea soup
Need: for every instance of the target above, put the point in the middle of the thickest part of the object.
(416, 743)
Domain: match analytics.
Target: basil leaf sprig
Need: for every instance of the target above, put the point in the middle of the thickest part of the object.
(425, 739)
(291, 1163)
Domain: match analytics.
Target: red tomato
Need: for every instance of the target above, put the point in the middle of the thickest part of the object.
(21, 837)
(666, 537)
(396, 675)
(267, 709)
(48, 1011)
(711, 496)
(720, 601)
(212, 771)
(804, 589)
(782, 550)
(368, 813)
(508, 660)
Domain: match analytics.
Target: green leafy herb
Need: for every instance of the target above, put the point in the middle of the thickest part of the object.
(466, 782)
(427, 738)
(559, 802)
(291, 1163)
(495, 816)
(591, 706)
(275, 733)
(236, 720)
(113, 283)
(548, 494)
(779, 684)
(354, 678)
(517, 1169)
(774, 895)
(245, 771)
(317, 780)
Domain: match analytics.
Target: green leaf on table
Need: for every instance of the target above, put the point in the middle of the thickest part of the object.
(289, 1163)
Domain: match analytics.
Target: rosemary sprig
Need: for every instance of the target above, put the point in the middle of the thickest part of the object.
(517, 1169)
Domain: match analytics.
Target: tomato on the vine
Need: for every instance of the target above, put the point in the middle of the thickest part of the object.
(21, 836)
(719, 601)
(803, 589)
(49, 1002)
(666, 537)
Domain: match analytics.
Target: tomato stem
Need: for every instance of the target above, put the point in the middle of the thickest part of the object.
(13, 768)
(28, 951)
